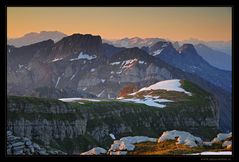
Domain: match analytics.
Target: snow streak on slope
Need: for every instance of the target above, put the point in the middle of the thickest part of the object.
(78, 99)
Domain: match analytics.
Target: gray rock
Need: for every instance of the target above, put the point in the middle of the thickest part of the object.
(28, 143)
(9, 152)
(17, 144)
(221, 137)
(36, 146)
(95, 151)
(226, 143)
(207, 143)
(182, 137)
(9, 133)
(118, 153)
(18, 152)
(43, 153)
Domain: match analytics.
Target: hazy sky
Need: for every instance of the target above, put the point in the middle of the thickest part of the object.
(175, 23)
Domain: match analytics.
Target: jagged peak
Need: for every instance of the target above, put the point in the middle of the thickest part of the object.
(187, 48)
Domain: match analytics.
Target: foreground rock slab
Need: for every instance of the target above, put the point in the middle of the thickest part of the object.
(95, 151)
(182, 137)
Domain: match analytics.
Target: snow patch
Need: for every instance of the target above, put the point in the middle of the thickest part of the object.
(92, 70)
(84, 56)
(169, 85)
(141, 62)
(118, 72)
(112, 136)
(147, 101)
(78, 99)
(20, 66)
(100, 93)
(128, 63)
(115, 63)
(157, 52)
(102, 80)
(56, 59)
(58, 79)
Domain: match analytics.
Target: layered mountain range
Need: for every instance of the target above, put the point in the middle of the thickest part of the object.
(82, 66)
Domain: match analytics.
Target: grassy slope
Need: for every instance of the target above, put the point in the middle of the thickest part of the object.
(170, 148)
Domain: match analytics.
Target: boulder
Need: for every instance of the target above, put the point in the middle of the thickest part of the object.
(207, 143)
(17, 144)
(36, 146)
(9, 133)
(226, 143)
(182, 137)
(95, 151)
(118, 153)
(138, 139)
(119, 145)
(222, 137)
(229, 147)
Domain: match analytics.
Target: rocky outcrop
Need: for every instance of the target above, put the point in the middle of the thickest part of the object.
(125, 144)
(24, 146)
(225, 139)
(181, 137)
(222, 137)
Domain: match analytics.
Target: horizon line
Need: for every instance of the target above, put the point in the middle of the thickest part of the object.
(111, 39)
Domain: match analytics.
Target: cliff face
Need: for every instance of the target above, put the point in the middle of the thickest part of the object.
(74, 127)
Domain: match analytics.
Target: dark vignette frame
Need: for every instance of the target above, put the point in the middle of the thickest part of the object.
(181, 3)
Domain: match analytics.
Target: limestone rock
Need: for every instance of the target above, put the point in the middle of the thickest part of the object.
(222, 137)
(95, 151)
(182, 137)
(226, 143)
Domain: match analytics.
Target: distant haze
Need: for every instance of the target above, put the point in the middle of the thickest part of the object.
(174, 23)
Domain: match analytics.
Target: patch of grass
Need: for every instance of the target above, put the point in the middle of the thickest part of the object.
(170, 148)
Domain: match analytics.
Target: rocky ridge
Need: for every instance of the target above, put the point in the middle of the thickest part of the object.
(24, 146)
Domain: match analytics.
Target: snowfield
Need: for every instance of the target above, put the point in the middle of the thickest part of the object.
(169, 85)
(155, 101)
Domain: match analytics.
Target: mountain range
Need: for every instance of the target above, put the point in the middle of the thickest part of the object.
(216, 53)
(222, 46)
(82, 66)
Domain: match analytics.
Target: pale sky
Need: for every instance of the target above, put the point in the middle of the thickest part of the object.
(175, 23)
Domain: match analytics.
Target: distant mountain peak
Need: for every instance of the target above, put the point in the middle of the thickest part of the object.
(77, 43)
(34, 37)
(187, 48)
